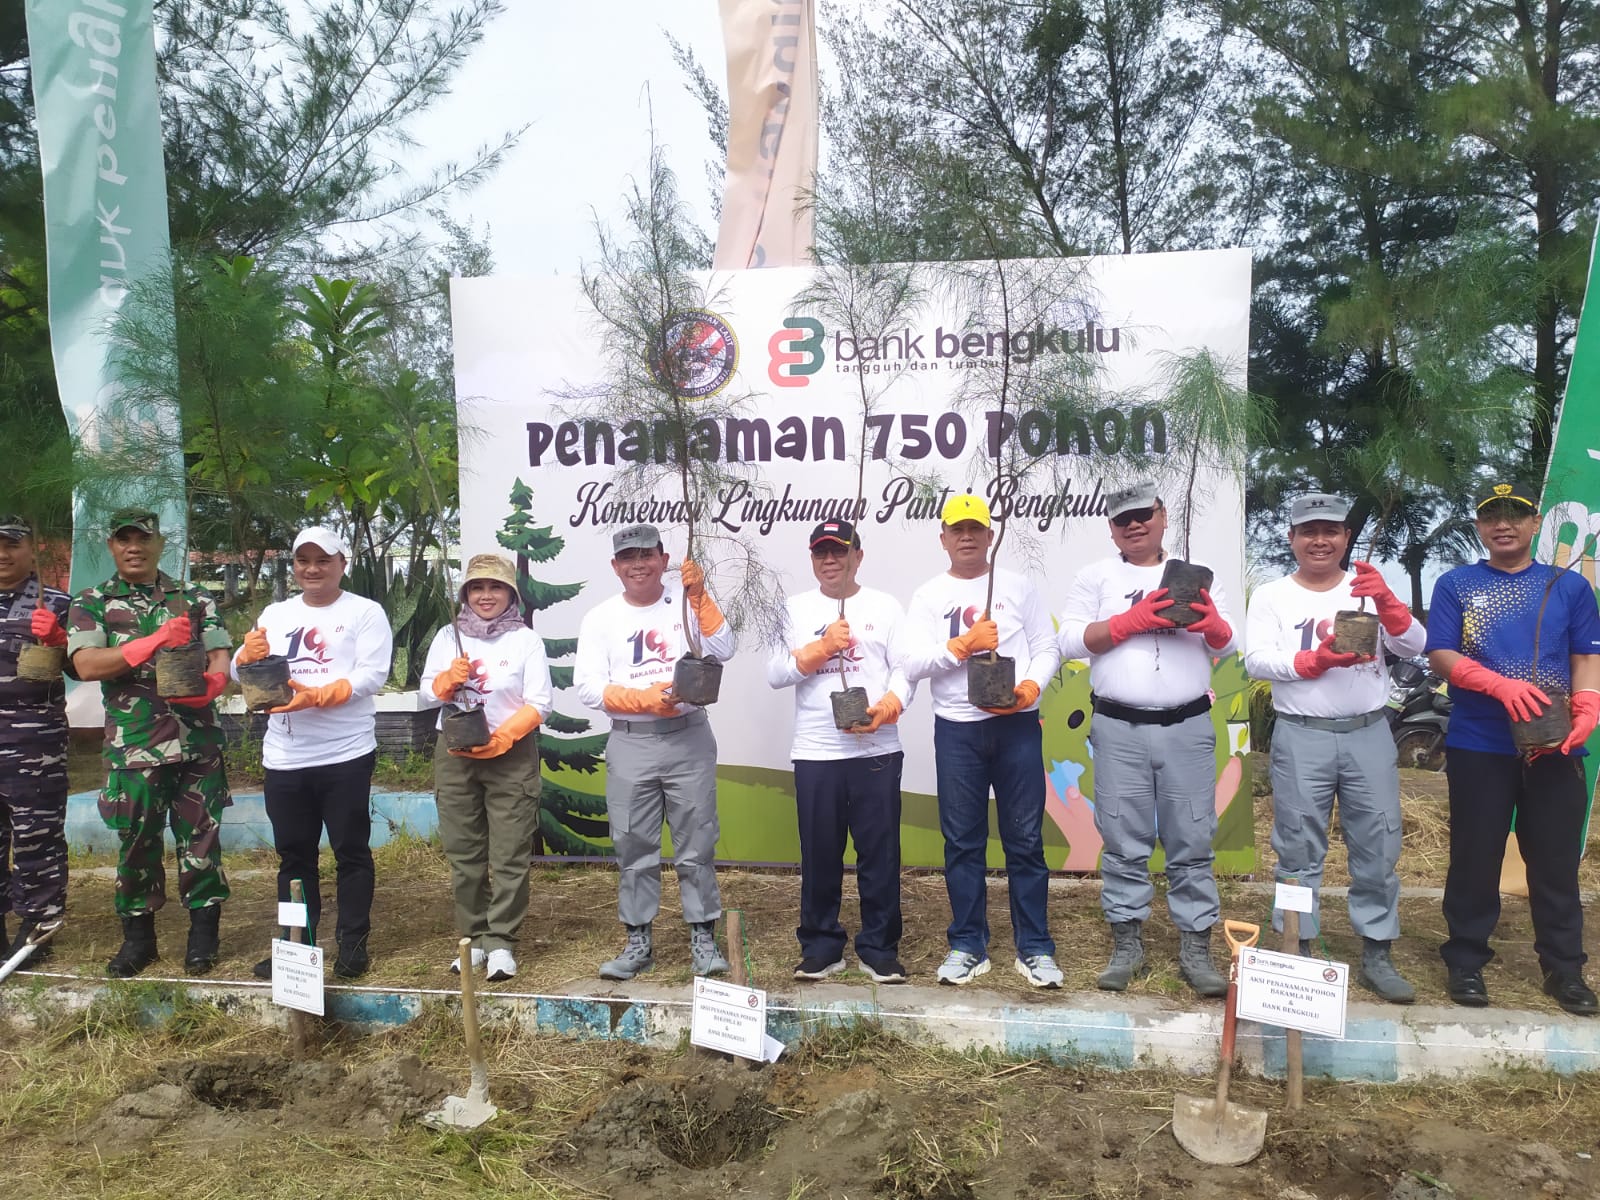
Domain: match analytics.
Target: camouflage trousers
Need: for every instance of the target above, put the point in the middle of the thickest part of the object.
(33, 816)
(139, 803)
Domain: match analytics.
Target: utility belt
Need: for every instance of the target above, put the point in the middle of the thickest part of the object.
(1335, 724)
(1151, 716)
(659, 727)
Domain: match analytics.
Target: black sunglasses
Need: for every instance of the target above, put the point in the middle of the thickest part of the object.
(1142, 515)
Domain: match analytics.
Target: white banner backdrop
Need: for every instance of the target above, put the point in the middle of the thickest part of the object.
(535, 481)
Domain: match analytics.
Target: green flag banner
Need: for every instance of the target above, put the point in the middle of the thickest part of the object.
(1571, 499)
(106, 241)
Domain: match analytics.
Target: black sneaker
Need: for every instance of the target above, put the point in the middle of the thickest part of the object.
(818, 968)
(1568, 989)
(886, 970)
(263, 969)
(1466, 987)
(352, 962)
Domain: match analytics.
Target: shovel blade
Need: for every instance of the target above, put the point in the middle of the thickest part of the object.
(460, 1112)
(1228, 1138)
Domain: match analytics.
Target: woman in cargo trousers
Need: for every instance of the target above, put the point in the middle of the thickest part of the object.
(488, 795)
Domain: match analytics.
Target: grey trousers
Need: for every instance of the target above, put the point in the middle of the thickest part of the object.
(488, 810)
(1156, 781)
(1310, 767)
(673, 775)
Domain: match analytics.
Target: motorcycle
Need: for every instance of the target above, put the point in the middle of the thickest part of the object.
(1419, 715)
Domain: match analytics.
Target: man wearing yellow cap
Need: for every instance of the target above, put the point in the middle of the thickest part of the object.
(979, 748)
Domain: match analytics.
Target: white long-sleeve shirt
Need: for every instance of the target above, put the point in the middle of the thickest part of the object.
(945, 607)
(507, 672)
(871, 662)
(1164, 669)
(1285, 618)
(348, 639)
(634, 646)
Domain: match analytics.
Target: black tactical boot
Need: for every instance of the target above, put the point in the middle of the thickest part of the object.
(201, 954)
(1195, 965)
(1127, 958)
(138, 946)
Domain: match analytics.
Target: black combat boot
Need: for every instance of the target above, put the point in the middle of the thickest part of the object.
(138, 946)
(201, 954)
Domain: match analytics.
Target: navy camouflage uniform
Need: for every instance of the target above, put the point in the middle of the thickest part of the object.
(163, 762)
(33, 767)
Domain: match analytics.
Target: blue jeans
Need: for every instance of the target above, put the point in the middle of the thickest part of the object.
(1006, 753)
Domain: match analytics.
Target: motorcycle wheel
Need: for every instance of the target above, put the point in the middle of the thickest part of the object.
(1421, 749)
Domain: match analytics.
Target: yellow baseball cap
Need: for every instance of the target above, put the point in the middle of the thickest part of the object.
(965, 507)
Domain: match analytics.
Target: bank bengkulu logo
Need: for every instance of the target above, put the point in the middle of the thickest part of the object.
(697, 354)
(797, 346)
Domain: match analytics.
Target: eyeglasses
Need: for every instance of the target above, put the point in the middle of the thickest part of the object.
(829, 550)
(1142, 515)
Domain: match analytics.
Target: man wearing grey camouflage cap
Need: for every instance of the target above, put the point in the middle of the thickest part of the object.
(1332, 738)
(33, 748)
(661, 757)
(163, 757)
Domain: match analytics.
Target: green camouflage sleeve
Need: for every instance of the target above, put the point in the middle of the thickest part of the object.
(213, 634)
(86, 625)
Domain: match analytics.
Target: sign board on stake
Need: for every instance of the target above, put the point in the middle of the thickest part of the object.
(1291, 897)
(733, 1020)
(297, 976)
(1309, 994)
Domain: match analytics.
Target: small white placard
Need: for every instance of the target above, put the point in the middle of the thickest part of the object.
(297, 976)
(1308, 994)
(731, 1019)
(294, 916)
(1291, 897)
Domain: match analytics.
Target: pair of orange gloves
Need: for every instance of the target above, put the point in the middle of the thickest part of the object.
(984, 636)
(813, 656)
(174, 631)
(656, 700)
(505, 735)
(328, 695)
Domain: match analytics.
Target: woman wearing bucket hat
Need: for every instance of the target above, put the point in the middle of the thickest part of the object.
(488, 795)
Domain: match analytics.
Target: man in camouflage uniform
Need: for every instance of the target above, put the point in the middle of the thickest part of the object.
(33, 748)
(163, 757)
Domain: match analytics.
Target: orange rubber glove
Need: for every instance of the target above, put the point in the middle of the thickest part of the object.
(1211, 625)
(705, 608)
(329, 695)
(984, 635)
(885, 712)
(215, 682)
(1313, 664)
(255, 647)
(46, 628)
(1026, 692)
(811, 657)
(452, 677)
(174, 631)
(649, 702)
(1392, 612)
(1143, 617)
(1522, 699)
(1585, 716)
(509, 732)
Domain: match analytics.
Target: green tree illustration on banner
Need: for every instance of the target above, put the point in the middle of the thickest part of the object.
(571, 820)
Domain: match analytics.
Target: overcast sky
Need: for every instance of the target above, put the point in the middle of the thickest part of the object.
(577, 75)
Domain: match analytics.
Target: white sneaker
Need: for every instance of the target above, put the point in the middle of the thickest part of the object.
(959, 967)
(478, 959)
(502, 965)
(1040, 970)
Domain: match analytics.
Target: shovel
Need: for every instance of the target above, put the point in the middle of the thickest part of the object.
(41, 935)
(473, 1109)
(1213, 1130)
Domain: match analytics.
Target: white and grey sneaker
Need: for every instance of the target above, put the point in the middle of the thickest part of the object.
(636, 956)
(960, 967)
(479, 957)
(703, 952)
(501, 965)
(1040, 970)
(818, 968)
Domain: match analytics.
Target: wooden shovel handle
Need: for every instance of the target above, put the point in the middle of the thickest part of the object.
(469, 1004)
(1240, 934)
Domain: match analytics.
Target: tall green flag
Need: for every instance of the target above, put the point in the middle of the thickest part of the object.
(1571, 499)
(106, 246)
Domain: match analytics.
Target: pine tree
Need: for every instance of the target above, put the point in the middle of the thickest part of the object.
(570, 821)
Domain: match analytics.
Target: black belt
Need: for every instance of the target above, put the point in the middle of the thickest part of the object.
(662, 725)
(1151, 716)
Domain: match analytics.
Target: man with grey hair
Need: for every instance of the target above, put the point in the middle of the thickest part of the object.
(661, 757)
(1332, 738)
(1152, 739)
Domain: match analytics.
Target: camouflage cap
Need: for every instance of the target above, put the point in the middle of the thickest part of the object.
(134, 518)
(15, 527)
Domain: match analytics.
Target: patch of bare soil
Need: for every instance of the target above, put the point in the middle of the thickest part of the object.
(211, 1104)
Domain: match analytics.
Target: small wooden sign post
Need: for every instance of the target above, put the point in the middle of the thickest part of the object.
(298, 1040)
(1292, 1051)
